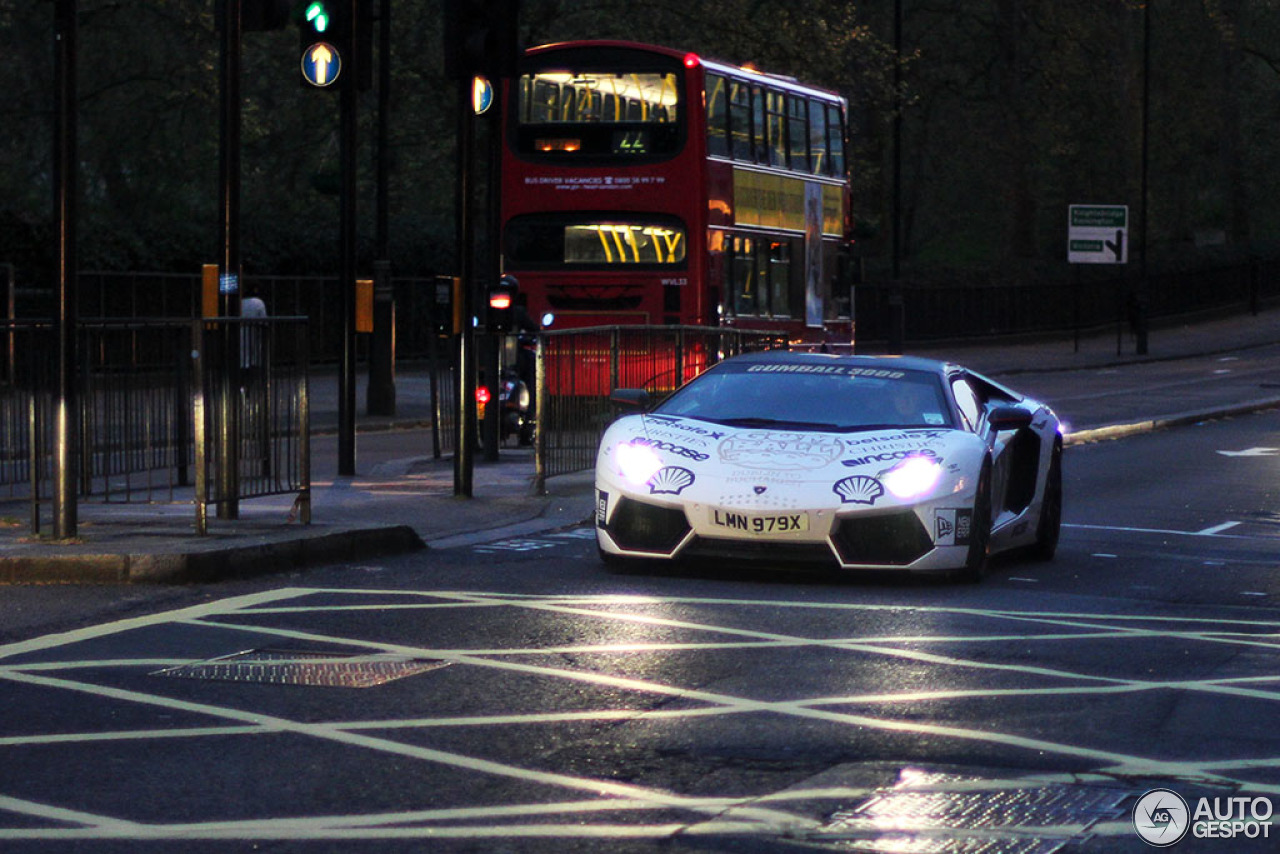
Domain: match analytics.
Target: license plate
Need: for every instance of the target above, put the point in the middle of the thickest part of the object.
(751, 523)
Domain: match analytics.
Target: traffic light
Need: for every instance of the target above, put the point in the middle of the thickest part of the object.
(263, 15)
(317, 21)
(501, 314)
(324, 38)
(481, 37)
(362, 42)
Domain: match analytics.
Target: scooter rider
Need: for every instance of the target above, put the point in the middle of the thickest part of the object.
(527, 343)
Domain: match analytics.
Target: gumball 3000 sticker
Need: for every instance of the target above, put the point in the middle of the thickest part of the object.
(768, 449)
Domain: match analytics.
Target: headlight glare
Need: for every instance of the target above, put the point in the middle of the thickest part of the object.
(636, 463)
(913, 477)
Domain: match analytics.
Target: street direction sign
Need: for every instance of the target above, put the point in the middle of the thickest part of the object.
(1098, 234)
(321, 64)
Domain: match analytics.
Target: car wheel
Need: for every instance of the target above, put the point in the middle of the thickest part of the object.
(975, 567)
(1050, 524)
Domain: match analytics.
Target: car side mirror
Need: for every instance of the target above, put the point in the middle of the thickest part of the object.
(1008, 418)
(631, 398)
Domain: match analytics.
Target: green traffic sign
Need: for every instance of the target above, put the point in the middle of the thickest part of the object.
(1100, 216)
(1098, 234)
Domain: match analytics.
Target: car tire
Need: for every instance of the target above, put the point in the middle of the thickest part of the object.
(621, 564)
(614, 562)
(975, 567)
(1050, 524)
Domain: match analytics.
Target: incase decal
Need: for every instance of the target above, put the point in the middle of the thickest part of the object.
(657, 445)
(890, 456)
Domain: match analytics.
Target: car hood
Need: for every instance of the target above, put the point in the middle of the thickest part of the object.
(768, 466)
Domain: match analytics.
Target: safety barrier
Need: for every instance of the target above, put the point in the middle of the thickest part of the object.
(578, 368)
(149, 396)
(252, 413)
(28, 372)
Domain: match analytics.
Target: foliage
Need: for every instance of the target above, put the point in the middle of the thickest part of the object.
(1010, 110)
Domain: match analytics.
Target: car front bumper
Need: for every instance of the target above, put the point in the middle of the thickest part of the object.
(918, 537)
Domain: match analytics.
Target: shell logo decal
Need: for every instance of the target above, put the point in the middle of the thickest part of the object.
(670, 480)
(858, 489)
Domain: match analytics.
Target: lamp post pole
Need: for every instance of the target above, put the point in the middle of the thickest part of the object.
(66, 439)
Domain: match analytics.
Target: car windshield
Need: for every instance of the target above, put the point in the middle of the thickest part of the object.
(812, 396)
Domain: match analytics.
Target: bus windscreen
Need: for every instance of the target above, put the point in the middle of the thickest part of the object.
(580, 114)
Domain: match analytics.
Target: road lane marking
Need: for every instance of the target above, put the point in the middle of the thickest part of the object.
(737, 703)
(325, 731)
(1207, 532)
(745, 815)
(97, 823)
(230, 605)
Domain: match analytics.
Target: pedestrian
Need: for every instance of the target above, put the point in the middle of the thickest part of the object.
(253, 310)
(254, 365)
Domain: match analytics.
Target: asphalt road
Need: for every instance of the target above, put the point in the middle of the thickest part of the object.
(526, 699)
(1094, 397)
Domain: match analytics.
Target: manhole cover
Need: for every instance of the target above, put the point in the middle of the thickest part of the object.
(304, 667)
(932, 812)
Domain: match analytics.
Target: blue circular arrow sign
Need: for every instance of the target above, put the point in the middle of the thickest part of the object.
(321, 64)
(481, 94)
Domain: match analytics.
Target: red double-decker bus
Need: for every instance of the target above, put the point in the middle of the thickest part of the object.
(644, 185)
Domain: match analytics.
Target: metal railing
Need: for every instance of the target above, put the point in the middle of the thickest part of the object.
(1094, 299)
(441, 368)
(578, 368)
(27, 374)
(140, 385)
(931, 310)
(421, 304)
(252, 413)
(134, 400)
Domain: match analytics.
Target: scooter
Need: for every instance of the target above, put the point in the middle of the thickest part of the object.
(515, 407)
(516, 401)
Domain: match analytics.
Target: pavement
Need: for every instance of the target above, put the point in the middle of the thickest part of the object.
(402, 497)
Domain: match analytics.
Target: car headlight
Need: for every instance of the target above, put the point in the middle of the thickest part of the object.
(913, 477)
(636, 463)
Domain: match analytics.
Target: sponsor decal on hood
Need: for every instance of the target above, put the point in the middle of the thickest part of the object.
(776, 449)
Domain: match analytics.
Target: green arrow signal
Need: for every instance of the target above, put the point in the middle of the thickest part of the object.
(318, 17)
